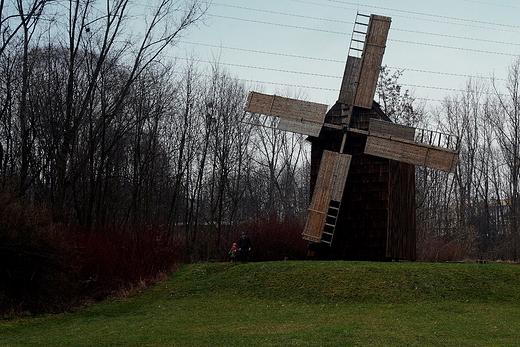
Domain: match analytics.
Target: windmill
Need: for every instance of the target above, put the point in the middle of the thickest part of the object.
(362, 164)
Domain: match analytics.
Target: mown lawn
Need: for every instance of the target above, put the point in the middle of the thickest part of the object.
(298, 304)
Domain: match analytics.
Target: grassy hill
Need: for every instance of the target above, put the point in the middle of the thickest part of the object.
(298, 304)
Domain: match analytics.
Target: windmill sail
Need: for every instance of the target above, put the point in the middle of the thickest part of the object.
(360, 78)
(302, 117)
(401, 143)
(327, 196)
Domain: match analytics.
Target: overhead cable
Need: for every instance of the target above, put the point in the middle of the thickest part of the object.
(342, 33)
(326, 60)
(351, 23)
(430, 15)
(424, 19)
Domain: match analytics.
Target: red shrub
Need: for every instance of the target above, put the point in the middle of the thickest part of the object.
(276, 240)
(111, 261)
(37, 268)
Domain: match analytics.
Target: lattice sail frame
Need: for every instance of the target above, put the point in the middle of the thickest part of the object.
(302, 117)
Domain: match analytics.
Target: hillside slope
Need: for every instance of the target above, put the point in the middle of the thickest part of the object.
(301, 303)
(360, 281)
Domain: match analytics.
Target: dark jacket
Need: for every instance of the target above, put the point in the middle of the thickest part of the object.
(244, 243)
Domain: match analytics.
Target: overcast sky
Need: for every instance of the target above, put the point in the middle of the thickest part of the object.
(300, 46)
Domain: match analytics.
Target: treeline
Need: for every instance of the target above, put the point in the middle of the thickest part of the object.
(475, 213)
(100, 127)
(117, 162)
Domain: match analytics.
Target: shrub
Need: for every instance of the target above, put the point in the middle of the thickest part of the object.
(112, 261)
(37, 269)
(276, 240)
(46, 267)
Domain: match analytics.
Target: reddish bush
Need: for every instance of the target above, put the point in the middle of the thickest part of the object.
(441, 251)
(37, 269)
(111, 261)
(48, 268)
(276, 240)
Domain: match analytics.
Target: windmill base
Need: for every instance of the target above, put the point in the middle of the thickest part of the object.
(322, 251)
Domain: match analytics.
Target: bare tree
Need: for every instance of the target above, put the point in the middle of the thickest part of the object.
(507, 126)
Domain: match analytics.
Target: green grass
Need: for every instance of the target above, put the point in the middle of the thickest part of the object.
(298, 304)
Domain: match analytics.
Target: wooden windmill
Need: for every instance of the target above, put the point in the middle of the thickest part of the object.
(362, 165)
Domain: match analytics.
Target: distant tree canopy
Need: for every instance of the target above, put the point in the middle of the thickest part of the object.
(98, 125)
(101, 127)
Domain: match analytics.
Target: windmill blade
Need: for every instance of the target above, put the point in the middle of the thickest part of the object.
(361, 73)
(326, 199)
(401, 143)
(302, 117)
(349, 84)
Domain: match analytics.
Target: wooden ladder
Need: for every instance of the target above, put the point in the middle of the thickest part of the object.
(330, 222)
(357, 40)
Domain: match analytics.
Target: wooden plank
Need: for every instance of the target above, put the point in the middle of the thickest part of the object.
(330, 184)
(298, 116)
(340, 174)
(320, 199)
(299, 127)
(411, 152)
(371, 60)
(391, 129)
(349, 83)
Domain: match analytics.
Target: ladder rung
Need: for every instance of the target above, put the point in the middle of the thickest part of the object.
(356, 49)
(326, 233)
(330, 225)
(363, 15)
(360, 32)
(362, 41)
(324, 241)
(333, 207)
(359, 23)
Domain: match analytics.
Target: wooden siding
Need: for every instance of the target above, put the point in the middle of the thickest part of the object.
(371, 60)
(411, 152)
(364, 216)
(329, 187)
(402, 239)
(297, 116)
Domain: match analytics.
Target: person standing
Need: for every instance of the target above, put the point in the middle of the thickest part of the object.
(244, 246)
(233, 253)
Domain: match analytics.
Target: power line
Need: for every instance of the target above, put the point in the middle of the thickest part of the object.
(264, 52)
(456, 37)
(323, 59)
(430, 15)
(456, 48)
(424, 19)
(318, 75)
(278, 24)
(351, 23)
(283, 13)
(341, 33)
(319, 88)
(490, 4)
(330, 89)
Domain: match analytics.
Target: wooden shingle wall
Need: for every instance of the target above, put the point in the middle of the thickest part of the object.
(402, 238)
